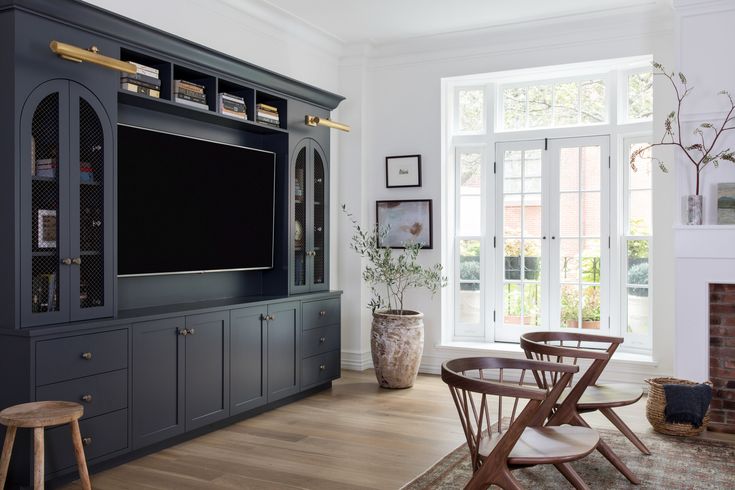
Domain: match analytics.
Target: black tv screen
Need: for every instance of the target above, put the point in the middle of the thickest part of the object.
(190, 205)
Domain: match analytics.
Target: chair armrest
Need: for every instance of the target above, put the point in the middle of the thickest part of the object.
(558, 351)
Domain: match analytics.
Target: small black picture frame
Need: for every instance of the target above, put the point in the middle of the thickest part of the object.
(409, 220)
(403, 171)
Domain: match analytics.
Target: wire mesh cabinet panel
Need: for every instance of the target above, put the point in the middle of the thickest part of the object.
(66, 149)
(310, 218)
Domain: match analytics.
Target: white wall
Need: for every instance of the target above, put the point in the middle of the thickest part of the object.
(403, 116)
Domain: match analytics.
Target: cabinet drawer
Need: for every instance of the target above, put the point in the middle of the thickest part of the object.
(104, 435)
(320, 313)
(98, 394)
(83, 355)
(320, 369)
(320, 340)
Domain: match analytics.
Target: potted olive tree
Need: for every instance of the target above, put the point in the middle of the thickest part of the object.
(397, 333)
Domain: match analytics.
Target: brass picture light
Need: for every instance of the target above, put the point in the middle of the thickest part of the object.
(91, 55)
(318, 121)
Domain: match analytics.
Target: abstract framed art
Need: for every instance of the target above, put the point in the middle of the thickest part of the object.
(407, 221)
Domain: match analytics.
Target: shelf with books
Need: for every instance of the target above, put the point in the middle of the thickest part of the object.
(270, 110)
(235, 100)
(194, 89)
(173, 108)
(153, 78)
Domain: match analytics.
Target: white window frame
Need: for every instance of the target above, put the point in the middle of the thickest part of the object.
(624, 90)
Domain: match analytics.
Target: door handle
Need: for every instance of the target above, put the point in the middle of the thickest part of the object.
(77, 261)
(87, 398)
(66, 261)
(192, 331)
(183, 332)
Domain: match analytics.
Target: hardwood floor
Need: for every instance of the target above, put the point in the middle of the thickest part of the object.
(354, 436)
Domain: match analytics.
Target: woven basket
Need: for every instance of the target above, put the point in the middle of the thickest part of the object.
(656, 405)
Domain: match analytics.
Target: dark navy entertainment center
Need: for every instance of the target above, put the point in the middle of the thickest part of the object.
(155, 358)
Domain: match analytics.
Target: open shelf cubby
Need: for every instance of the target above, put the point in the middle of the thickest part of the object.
(272, 100)
(163, 67)
(209, 83)
(247, 93)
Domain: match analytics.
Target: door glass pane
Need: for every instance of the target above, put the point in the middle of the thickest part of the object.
(319, 219)
(639, 311)
(640, 96)
(470, 173)
(299, 238)
(44, 169)
(91, 207)
(580, 217)
(470, 215)
(522, 231)
(469, 281)
(637, 277)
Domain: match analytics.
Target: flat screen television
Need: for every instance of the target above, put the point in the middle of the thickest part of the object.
(188, 205)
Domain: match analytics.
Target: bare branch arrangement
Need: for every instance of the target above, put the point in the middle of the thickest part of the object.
(701, 152)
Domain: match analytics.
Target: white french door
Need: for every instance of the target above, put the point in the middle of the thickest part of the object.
(552, 236)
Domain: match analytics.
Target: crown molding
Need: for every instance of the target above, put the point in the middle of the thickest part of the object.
(689, 8)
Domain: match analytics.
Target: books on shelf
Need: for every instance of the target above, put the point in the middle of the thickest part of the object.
(232, 105)
(145, 81)
(185, 85)
(190, 103)
(46, 167)
(190, 93)
(267, 114)
(140, 89)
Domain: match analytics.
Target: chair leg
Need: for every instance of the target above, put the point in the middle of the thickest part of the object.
(38, 459)
(7, 452)
(622, 427)
(507, 481)
(572, 476)
(609, 454)
(76, 437)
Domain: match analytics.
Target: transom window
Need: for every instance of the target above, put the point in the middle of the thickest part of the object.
(550, 227)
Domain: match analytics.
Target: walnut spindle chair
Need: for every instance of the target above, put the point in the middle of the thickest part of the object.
(586, 395)
(495, 451)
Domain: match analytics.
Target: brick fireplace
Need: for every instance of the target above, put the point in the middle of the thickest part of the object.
(722, 356)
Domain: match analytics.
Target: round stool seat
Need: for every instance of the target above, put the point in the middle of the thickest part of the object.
(41, 414)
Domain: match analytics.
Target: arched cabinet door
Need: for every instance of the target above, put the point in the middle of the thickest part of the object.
(66, 155)
(310, 218)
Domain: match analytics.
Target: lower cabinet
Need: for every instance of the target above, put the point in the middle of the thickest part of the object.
(247, 354)
(180, 375)
(284, 349)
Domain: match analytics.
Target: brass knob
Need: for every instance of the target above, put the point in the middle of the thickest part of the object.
(77, 261)
(87, 398)
(191, 331)
(183, 332)
(322, 340)
(271, 317)
(322, 367)
(66, 261)
(323, 313)
(319, 229)
(87, 356)
(87, 441)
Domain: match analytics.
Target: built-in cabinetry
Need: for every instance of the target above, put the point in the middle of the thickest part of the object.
(153, 359)
(66, 206)
(309, 208)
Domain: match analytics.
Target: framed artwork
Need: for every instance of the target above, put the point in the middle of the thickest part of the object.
(408, 221)
(46, 228)
(726, 204)
(403, 171)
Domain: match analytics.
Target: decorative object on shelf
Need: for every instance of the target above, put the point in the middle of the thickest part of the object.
(701, 151)
(405, 222)
(46, 228)
(318, 121)
(298, 233)
(397, 334)
(403, 171)
(46, 167)
(726, 204)
(92, 55)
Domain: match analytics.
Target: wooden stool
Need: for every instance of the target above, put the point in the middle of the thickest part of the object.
(38, 416)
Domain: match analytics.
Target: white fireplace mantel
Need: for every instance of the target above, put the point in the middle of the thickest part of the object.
(704, 255)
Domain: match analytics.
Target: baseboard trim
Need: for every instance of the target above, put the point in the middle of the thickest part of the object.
(356, 361)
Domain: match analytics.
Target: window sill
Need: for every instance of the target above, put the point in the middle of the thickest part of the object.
(514, 350)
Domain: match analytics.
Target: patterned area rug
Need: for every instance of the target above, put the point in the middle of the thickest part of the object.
(675, 463)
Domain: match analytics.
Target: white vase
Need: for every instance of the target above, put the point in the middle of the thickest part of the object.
(694, 210)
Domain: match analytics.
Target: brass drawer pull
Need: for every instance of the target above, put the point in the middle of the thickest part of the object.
(322, 367)
(323, 313)
(87, 398)
(87, 356)
(87, 441)
(322, 340)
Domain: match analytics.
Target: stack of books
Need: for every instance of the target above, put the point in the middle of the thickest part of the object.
(86, 172)
(268, 114)
(232, 105)
(46, 167)
(190, 93)
(144, 81)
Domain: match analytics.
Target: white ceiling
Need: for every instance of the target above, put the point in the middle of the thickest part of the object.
(381, 21)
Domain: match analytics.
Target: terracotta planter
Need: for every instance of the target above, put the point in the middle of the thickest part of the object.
(397, 342)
